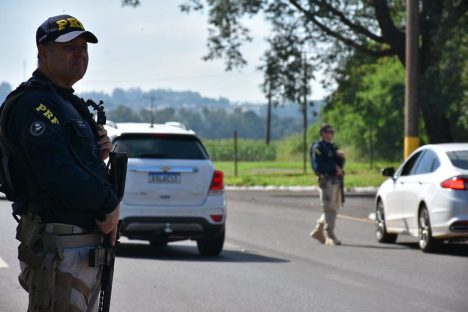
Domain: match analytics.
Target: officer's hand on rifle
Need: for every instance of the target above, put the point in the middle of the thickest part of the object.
(339, 171)
(104, 142)
(109, 225)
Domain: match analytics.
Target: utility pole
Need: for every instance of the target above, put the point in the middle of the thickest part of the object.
(304, 116)
(152, 98)
(236, 158)
(411, 141)
(268, 119)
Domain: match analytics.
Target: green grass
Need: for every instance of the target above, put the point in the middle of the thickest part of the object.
(283, 173)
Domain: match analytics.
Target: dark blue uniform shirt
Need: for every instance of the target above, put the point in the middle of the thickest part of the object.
(44, 122)
(324, 158)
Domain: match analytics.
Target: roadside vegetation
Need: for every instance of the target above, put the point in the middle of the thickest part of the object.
(281, 164)
(273, 173)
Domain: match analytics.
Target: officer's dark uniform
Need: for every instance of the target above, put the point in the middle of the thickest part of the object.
(64, 188)
(324, 159)
(44, 122)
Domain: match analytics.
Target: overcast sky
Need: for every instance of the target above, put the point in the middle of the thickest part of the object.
(152, 46)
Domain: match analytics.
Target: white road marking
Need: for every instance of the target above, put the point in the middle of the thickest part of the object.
(355, 219)
(3, 264)
(346, 281)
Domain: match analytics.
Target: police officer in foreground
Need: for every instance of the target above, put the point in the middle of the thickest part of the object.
(65, 200)
(327, 163)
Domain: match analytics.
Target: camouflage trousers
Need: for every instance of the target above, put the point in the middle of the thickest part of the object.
(330, 201)
(57, 279)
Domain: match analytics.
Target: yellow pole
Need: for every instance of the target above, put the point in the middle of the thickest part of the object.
(411, 143)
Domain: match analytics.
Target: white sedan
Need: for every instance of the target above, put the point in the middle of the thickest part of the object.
(427, 197)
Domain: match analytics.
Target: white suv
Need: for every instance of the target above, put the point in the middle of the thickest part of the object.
(173, 191)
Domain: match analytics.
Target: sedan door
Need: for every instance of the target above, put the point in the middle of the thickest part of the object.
(420, 186)
(395, 210)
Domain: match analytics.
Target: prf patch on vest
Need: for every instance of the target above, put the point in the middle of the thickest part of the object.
(47, 113)
(317, 151)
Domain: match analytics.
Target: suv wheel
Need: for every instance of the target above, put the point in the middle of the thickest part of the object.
(211, 245)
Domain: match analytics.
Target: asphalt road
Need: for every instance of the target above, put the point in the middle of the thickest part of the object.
(270, 264)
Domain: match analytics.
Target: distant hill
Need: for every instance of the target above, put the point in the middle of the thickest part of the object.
(138, 99)
(210, 117)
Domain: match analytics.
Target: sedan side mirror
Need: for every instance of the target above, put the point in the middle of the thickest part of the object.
(388, 172)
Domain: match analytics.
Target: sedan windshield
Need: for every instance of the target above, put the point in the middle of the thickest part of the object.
(161, 146)
(459, 159)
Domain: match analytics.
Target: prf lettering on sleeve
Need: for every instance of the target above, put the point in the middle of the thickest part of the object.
(47, 113)
(70, 22)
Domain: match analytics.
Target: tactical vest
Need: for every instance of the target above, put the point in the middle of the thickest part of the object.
(12, 158)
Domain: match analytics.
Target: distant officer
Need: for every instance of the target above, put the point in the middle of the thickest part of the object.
(327, 163)
(59, 173)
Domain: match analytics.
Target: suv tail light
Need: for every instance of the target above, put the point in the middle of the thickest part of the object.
(217, 217)
(456, 183)
(217, 183)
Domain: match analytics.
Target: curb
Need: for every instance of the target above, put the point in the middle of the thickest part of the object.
(368, 191)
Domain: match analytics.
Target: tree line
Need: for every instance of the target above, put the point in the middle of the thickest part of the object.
(212, 123)
(209, 118)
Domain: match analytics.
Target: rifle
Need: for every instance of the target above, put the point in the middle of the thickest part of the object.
(105, 255)
(107, 275)
(342, 189)
(117, 175)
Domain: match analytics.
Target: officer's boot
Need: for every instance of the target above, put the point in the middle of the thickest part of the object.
(317, 233)
(330, 238)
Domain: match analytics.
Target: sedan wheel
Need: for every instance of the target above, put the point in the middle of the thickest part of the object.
(426, 242)
(381, 230)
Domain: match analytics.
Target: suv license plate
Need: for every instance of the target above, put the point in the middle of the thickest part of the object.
(166, 177)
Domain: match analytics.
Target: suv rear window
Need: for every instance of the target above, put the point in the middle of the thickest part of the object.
(161, 146)
(459, 159)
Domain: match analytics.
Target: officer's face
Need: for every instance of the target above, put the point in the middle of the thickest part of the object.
(328, 135)
(65, 63)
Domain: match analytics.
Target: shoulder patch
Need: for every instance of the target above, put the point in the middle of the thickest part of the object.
(317, 151)
(37, 128)
(47, 113)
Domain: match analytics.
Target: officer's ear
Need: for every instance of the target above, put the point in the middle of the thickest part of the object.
(42, 51)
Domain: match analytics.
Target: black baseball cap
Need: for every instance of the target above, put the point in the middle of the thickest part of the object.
(62, 28)
(326, 128)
